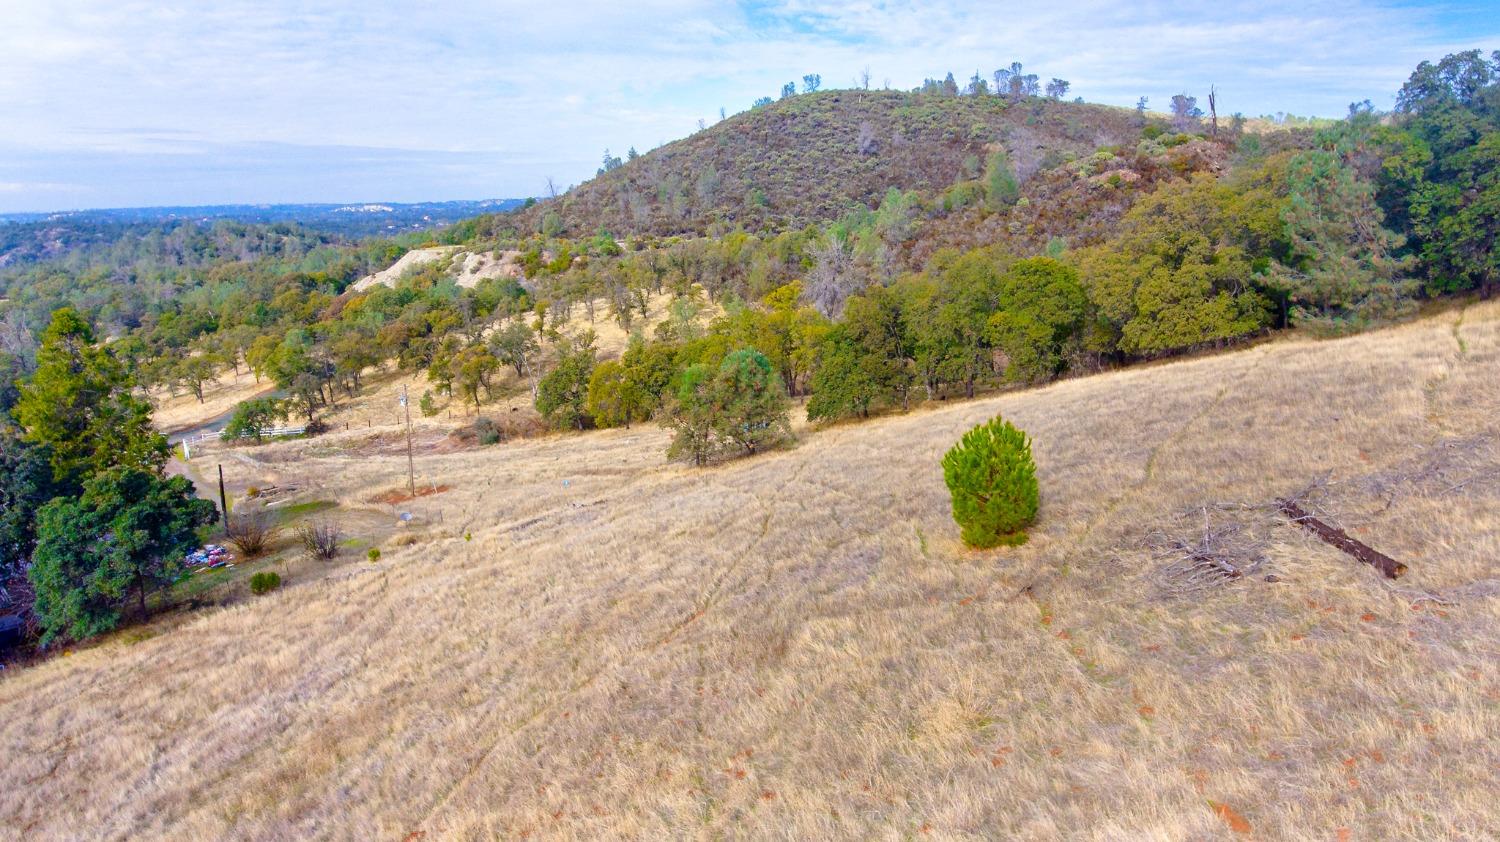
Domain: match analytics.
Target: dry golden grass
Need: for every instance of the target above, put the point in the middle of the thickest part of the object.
(183, 411)
(584, 642)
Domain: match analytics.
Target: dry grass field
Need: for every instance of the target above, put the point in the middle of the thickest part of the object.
(580, 641)
(181, 411)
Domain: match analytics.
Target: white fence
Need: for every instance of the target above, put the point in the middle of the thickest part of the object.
(214, 435)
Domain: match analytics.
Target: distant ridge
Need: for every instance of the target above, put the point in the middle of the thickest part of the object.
(347, 218)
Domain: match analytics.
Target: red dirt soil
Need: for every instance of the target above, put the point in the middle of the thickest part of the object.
(391, 498)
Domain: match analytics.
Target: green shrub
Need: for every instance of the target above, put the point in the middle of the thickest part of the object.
(562, 395)
(487, 431)
(1000, 186)
(427, 405)
(373, 554)
(253, 417)
(264, 582)
(739, 408)
(992, 480)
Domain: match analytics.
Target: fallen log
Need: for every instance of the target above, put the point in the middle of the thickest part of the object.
(1340, 539)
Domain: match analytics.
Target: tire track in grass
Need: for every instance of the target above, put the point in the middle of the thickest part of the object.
(1434, 383)
(1148, 472)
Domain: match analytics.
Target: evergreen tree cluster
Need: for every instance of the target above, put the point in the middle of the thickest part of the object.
(86, 508)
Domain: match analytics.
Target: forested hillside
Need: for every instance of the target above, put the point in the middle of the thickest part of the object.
(343, 220)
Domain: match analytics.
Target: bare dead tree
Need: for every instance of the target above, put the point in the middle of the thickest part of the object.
(834, 276)
(1213, 110)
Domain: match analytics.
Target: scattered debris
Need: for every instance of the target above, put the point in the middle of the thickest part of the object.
(209, 557)
(1336, 537)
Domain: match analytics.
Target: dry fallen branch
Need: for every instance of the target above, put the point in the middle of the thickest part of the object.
(1215, 555)
(1336, 537)
(1448, 467)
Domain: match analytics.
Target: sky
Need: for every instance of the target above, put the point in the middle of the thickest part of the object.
(116, 103)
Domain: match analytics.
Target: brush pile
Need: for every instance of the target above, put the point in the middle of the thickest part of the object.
(1207, 555)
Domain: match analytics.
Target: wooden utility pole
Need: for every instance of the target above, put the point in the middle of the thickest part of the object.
(411, 471)
(223, 501)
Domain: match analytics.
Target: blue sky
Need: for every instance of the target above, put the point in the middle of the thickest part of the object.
(107, 103)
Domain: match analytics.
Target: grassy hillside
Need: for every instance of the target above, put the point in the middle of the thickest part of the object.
(807, 159)
(585, 642)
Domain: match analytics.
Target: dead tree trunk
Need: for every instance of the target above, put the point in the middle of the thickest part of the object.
(1339, 538)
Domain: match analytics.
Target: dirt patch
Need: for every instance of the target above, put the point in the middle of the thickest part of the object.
(391, 498)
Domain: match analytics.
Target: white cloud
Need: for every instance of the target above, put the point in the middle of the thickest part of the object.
(31, 187)
(519, 82)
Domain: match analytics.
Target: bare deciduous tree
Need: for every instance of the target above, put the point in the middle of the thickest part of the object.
(834, 276)
(251, 531)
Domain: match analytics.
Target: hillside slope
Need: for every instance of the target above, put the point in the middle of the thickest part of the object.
(596, 644)
(807, 159)
(466, 268)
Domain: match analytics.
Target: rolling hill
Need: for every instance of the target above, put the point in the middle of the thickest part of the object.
(578, 640)
(808, 159)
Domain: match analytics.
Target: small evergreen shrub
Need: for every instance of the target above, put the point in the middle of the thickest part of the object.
(427, 405)
(992, 480)
(373, 554)
(264, 582)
